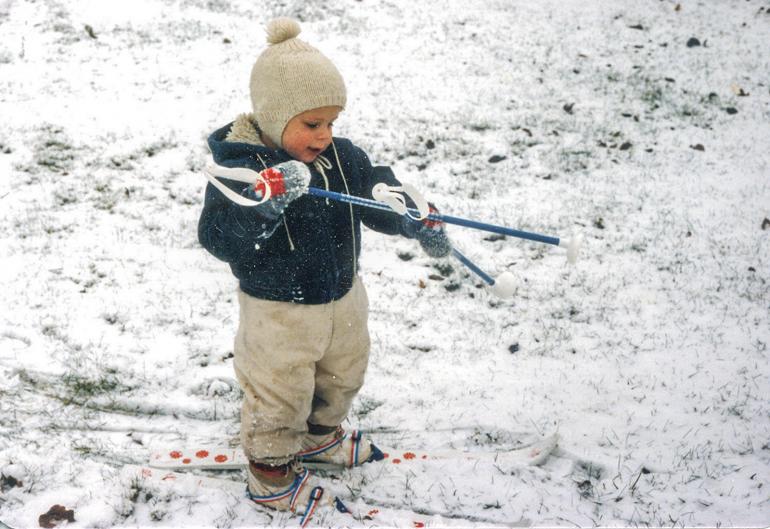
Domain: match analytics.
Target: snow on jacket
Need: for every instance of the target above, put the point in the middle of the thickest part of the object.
(308, 254)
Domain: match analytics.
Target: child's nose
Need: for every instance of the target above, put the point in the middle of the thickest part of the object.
(324, 133)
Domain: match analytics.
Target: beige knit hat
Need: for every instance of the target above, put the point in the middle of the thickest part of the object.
(291, 77)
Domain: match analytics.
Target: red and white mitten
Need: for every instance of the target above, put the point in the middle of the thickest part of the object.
(278, 186)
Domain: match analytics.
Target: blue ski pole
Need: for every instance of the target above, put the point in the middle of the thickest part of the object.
(572, 246)
(502, 287)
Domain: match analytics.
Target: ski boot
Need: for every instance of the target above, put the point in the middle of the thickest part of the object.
(328, 448)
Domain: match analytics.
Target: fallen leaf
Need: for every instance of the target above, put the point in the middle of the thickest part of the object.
(8, 482)
(737, 90)
(57, 513)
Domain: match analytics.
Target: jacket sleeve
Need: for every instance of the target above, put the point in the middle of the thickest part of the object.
(228, 230)
(387, 222)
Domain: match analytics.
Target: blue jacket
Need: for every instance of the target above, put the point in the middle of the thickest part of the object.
(307, 254)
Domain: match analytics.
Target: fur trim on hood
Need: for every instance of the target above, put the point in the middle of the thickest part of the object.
(245, 130)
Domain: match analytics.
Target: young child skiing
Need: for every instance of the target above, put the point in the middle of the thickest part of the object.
(302, 344)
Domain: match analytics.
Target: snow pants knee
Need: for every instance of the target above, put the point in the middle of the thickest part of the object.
(298, 364)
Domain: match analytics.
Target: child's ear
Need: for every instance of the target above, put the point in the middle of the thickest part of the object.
(267, 141)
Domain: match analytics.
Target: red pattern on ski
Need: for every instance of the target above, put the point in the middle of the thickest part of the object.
(234, 458)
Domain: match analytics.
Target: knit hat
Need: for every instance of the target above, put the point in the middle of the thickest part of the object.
(291, 77)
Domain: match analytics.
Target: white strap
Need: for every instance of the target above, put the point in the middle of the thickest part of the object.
(393, 197)
(238, 174)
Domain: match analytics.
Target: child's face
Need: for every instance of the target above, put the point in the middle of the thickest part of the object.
(309, 134)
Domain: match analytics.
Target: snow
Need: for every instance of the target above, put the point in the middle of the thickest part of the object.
(649, 356)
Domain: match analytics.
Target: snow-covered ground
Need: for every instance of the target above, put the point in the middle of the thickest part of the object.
(649, 357)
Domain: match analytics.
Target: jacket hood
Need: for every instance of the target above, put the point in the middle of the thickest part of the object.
(238, 144)
(245, 130)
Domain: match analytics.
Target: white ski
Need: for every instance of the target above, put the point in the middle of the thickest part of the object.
(223, 458)
(335, 509)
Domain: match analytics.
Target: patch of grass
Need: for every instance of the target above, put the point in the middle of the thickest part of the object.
(54, 150)
(652, 95)
(80, 386)
(366, 406)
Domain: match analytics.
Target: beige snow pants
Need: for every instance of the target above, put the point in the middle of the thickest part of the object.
(297, 364)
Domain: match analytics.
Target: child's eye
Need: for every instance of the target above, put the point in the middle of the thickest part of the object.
(312, 125)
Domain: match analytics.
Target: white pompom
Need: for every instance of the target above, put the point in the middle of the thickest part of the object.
(281, 29)
(505, 285)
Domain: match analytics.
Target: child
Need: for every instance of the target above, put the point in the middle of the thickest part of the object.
(302, 345)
